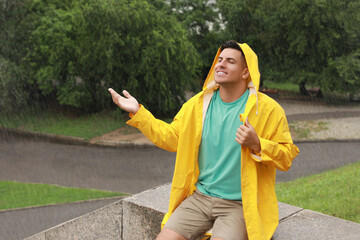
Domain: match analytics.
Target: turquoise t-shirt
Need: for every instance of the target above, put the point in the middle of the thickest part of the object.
(220, 154)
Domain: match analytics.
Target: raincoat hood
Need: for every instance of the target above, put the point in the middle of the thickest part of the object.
(252, 64)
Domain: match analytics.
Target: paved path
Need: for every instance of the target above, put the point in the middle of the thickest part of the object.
(317, 157)
(19, 224)
(129, 170)
(133, 170)
(305, 108)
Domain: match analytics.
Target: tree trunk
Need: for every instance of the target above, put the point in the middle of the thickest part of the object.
(302, 88)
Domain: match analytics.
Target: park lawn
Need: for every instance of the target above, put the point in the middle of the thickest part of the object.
(64, 123)
(20, 195)
(335, 192)
(67, 123)
(285, 86)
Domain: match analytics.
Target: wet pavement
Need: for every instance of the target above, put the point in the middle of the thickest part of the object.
(320, 156)
(129, 170)
(132, 169)
(19, 224)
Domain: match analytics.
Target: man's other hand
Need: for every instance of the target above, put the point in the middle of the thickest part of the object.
(246, 136)
(127, 103)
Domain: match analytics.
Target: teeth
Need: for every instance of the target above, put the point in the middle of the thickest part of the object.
(220, 73)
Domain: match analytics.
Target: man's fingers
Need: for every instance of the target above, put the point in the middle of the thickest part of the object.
(240, 136)
(127, 103)
(243, 132)
(111, 91)
(242, 128)
(246, 123)
(115, 96)
(126, 94)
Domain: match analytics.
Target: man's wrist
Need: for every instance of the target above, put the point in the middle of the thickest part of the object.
(257, 147)
(135, 110)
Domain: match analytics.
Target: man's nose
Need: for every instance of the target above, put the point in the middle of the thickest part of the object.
(221, 64)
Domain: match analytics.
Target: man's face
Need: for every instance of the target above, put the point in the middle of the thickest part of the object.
(231, 67)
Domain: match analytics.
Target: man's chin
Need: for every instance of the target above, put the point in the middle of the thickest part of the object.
(219, 81)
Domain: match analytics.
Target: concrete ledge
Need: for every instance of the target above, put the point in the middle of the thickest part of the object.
(308, 224)
(104, 223)
(143, 213)
(140, 216)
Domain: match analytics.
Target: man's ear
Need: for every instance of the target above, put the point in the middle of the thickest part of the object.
(245, 73)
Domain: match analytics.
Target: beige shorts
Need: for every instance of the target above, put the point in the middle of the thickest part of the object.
(199, 213)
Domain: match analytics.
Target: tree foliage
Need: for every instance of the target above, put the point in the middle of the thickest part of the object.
(12, 24)
(318, 33)
(300, 40)
(15, 26)
(76, 49)
(202, 21)
(13, 87)
(80, 49)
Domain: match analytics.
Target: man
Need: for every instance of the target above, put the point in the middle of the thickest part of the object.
(229, 139)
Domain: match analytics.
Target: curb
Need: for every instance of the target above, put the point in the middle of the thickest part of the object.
(62, 204)
(43, 136)
(54, 138)
(322, 115)
(327, 140)
(122, 144)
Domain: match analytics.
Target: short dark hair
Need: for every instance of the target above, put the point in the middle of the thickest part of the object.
(231, 44)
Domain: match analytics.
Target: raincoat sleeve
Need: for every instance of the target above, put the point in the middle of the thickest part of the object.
(162, 134)
(277, 148)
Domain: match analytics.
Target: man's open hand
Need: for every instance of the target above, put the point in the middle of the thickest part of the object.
(247, 137)
(127, 103)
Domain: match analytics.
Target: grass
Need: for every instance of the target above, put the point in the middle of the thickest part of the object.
(20, 195)
(286, 86)
(64, 123)
(334, 192)
(303, 129)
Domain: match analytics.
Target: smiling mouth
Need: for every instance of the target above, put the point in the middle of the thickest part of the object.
(220, 73)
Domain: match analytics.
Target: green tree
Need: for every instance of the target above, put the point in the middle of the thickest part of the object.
(202, 21)
(344, 73)
(318, 33)
(15, 88)
(254, 22)
(11, 33)
(80, 49)
(299, 41)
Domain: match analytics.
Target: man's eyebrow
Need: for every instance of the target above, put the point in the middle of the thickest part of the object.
(228, 58)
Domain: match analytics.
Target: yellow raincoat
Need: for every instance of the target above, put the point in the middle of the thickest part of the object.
(258, 172)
